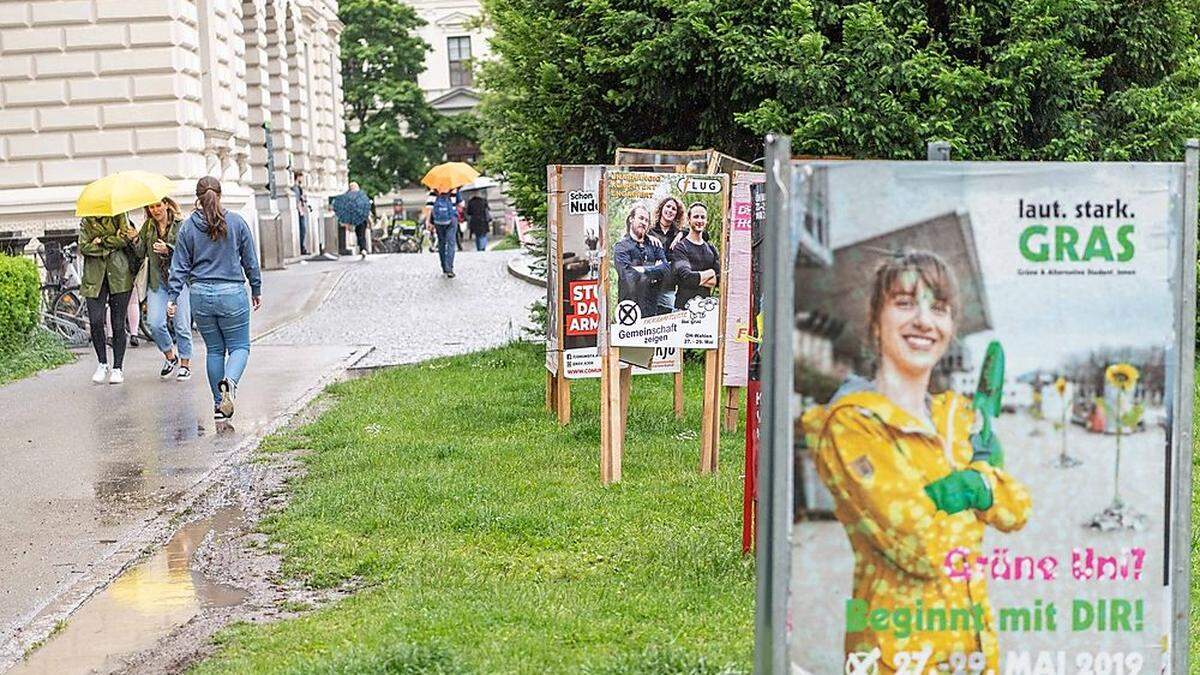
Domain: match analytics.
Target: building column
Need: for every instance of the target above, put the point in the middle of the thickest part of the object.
(285, 220)
(258, 102)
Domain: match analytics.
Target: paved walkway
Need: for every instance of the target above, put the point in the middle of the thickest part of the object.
(93, 475)
(408, 311)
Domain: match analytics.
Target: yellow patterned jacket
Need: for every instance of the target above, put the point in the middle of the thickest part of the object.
(876, 459)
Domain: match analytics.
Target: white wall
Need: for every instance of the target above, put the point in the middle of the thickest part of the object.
(446, 18)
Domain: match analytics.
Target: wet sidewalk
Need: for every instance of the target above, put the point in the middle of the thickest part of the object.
(92, 475)
(407, 311)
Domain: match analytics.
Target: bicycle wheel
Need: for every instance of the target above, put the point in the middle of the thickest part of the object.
(68, 318)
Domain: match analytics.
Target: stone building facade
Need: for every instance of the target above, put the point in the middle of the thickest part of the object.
(249, 91)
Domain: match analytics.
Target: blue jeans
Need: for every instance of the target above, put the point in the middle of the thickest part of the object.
(447, 245)
(481, 242)
(222, 313)
(156, 314)
(303, 232)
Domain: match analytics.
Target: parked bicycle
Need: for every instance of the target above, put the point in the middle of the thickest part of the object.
(402, 236)
(64, 312)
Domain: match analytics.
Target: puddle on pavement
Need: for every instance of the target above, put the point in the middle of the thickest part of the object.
(142, 605)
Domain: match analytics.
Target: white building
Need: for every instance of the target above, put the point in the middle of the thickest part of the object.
(458, 43)
(244, 90)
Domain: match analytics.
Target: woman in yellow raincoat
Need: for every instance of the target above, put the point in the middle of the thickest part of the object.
(912, 483)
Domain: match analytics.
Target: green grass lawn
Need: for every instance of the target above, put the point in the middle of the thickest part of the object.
(486, 542)
(43, 350)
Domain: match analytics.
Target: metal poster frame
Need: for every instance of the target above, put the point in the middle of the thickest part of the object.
(775, 465)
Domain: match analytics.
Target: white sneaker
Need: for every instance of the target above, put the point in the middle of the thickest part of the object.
(101, 374)
(116, 376)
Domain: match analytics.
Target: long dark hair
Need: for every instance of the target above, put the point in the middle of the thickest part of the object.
(208, 200)
(658, 218)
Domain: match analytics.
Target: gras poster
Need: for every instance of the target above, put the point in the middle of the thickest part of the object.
(664, 234)
(985, 377)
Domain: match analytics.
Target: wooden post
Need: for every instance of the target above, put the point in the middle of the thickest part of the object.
(551, 394)
(732, 404)
(709, 417)
(605, 419)
(562, 393)
(562, 387)
(714, 361)
(612, 426)
(626, 387)
(679, 394)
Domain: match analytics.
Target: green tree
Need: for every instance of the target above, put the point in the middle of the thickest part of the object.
(1002, 79)
(392, 135)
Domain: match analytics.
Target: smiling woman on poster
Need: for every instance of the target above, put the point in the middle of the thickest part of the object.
(912, 483)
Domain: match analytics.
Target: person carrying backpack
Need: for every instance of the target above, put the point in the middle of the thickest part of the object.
(443, 217)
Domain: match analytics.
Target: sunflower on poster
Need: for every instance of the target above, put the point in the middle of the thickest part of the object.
(910, 480)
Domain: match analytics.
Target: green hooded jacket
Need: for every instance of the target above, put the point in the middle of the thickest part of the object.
(108, 258)
(157, 265)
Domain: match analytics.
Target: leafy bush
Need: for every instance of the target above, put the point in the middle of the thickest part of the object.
(19, 300)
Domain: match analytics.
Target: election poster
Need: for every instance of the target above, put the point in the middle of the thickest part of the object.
(664, 239)
(741, 328)
(985, 373)
(573, 262)
(573, 273)
(554, 275)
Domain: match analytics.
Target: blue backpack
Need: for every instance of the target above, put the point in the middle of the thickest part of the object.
(444, 212)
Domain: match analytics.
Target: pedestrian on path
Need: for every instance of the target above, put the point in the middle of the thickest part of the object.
(214, 257)
(133, 312)
(360, 229)
(443, 218)
(106, 243)
(479, 217)
(155, 244)
(302, 209)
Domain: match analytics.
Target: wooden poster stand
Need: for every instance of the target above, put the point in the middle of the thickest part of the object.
(733, 398)
(558, 387)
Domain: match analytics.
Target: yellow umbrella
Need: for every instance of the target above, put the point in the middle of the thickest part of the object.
(122, 191)
(446, 177)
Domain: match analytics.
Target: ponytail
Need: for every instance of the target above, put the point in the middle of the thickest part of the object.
(208, 200)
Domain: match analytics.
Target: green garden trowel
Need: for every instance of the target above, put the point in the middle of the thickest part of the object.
(986, 403)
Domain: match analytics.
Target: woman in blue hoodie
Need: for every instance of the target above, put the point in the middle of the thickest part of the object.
(215, 257)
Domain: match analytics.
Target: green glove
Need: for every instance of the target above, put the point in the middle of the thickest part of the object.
(960, 491)
(991, 451)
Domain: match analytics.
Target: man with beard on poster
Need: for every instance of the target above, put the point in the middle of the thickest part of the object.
(913, 486)
(642, 267)
(696, 262)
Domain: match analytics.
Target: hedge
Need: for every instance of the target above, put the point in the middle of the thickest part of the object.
(19, 300)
